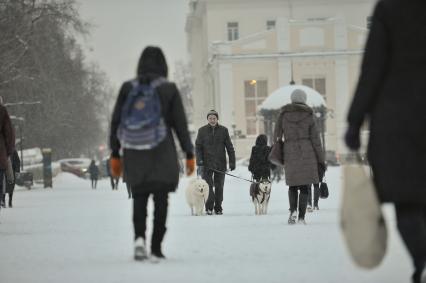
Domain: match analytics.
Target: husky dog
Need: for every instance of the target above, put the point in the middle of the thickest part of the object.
(197, 193)
(260, 194)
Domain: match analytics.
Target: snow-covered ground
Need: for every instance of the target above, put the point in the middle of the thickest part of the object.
(74, 234)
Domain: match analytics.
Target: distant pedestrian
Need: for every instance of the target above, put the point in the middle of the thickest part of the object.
(391, 96)
(94, 173)
(277, 172)
(146, 112)
(302, 152)
(212, 141)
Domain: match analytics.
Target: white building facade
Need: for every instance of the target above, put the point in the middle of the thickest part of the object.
(243, 50)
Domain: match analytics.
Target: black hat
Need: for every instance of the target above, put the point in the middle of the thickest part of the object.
(213, 112)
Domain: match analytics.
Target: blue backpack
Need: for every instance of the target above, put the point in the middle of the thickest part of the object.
(142, 126)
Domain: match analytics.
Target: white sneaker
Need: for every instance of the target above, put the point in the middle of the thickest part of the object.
(309, 208)
(301, 221)
(140, 249)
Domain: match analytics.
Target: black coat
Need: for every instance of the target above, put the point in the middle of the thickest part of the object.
(210, 147)
(259, 164)
(155, 169)
(391, 93)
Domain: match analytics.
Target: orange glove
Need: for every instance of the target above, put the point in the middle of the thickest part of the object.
(190, 166)
(115, 165)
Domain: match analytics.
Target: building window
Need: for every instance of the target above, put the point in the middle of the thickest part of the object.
(317, 83)
(233, 33)
(270, 24)
(255, 92)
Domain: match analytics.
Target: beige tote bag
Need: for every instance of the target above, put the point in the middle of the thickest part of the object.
(362, 223)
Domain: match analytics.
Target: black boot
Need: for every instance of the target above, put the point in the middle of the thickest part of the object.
(10, 199)
(419, 275)
(157, 239)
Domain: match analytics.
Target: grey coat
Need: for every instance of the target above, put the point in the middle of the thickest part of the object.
(210, 147)
(302, 144)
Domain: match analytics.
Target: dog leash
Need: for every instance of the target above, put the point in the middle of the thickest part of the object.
(226, 173)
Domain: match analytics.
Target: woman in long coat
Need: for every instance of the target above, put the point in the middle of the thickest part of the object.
(302, 151)
(391, 94)
(154, 171)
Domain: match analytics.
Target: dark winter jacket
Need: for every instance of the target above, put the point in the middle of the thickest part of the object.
(155, 169)
(93, 171)
(259, 164)
(7, 137)
(210, 147)
(391, 94)
(302, 145)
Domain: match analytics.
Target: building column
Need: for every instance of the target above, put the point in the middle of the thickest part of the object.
(225, 95)
(342, 100)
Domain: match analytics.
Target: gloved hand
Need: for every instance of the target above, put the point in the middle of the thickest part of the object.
(232, 167)
(115, 165)
(190, 166)
(352, 137)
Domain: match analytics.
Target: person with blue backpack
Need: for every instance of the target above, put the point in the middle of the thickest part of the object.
(146, 112)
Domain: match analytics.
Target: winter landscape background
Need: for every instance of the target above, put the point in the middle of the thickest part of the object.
(72, 233)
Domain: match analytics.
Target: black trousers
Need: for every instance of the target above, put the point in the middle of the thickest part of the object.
(140, 202)
(411, 221)
(94, 182)
(217, 181)
(293, 195)
(316, 195)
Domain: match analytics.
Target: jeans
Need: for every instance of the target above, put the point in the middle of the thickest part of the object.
(215, 197)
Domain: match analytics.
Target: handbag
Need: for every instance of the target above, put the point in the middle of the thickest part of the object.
(362, 222)
(323, 190)
(276, 156)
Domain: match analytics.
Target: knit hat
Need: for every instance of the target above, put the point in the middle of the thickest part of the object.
(213, 112)
(298, 96)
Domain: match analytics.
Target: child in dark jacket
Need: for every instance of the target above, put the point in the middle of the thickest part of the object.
(259, 165)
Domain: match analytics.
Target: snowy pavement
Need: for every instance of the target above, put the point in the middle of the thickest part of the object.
(74, 234)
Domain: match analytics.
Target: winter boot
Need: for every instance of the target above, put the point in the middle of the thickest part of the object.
(157, 255)
(419, 275)
(292, 218)
(140, 249)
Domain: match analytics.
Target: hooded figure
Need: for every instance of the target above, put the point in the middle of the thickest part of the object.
(259, 164)
(302, 151)
(153, 171)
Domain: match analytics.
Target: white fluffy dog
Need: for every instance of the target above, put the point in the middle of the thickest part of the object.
(197, 193)
(260, 194)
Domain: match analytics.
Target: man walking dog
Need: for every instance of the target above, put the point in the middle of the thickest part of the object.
(212, 140)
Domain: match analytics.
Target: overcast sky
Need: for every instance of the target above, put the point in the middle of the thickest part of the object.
(121, 29)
